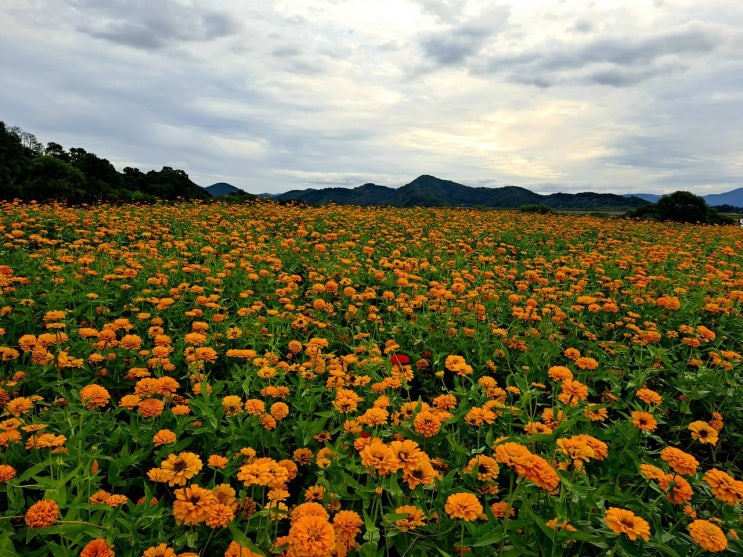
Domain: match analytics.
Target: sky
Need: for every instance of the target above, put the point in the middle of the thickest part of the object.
(624, 96)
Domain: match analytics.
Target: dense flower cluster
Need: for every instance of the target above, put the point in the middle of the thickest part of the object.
(278, 380)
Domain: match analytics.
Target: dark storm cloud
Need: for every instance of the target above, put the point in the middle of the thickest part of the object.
(618, 61)
(151, 25)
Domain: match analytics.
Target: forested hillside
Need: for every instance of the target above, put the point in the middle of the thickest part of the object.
(31, 171)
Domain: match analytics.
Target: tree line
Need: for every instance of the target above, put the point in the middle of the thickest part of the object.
(31, 171)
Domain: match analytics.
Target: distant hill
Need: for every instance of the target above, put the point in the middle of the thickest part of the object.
(733, 198)
(429, 191)
(222, 188)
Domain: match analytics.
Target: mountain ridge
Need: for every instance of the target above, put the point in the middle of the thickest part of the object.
(430, 191)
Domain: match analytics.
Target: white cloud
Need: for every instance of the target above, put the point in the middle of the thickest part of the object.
(573, 95)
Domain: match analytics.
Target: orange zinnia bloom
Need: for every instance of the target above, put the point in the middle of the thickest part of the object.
(380, 457)
(708, 536)
(311, 536)
(161, 550)
(413, 518)
(151, 407)
(644, 421)
(426, 423)
(463, 505)
(180, 468)
(678, 490)
(485, 467)
(679, 461)
(94, 396)
(7, 473)
(572, 392)
(219, 516)
(724, 486)
(163, 437)
(193, 504)
(703, 432)
(407, 453)
(347, 524)
(623, 521)
(97, 548)
(649, 396)
(560, 373)
(42, 514)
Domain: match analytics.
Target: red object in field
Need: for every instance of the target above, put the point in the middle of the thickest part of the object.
(399, 359)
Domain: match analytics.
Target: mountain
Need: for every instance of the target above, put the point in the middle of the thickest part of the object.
(429, 191)
(733, 198)
(651, 197)
(222, 188)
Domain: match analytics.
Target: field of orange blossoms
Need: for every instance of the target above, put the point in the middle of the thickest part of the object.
(242, 380)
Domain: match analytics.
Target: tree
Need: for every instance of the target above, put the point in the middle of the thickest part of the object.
(51, 178)
(57, 151)
(682, 206)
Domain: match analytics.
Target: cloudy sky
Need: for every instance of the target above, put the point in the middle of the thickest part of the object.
(616, 96)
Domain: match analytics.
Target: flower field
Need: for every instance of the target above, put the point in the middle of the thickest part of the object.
(241, 380)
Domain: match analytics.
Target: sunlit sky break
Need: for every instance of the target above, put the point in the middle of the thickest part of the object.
(630, 96)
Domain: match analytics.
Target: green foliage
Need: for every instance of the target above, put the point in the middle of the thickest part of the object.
(536, 208)
(681, 206)
(28, 171)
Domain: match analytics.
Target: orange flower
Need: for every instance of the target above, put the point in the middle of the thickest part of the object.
(421, 473)
(426, 423)
(20, 405)
(652, 472)
(703, 432)
(644, 421)
(407, 453)
(458, 365)
(219, 516)
(560, 373)
(586, 363)
(572, 392)
(708, 536)
(94, 396)
(716, 421)
(485, 467)
(678, 490)
(163, 437)
(649, 396)
(679, 461)
(347, 524)
(193, 504)
(500, 508)
(161, 550)
(623, 521)
(7, 473)
(413, 517)
(236, 550)
(232, 405)
(180, 468)
(379, 456)
(724, 486)
(311, 536)
(217, 461)
(151, 407)
(463, 505)
(42, 514)
(279, 410)
(97, 548)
